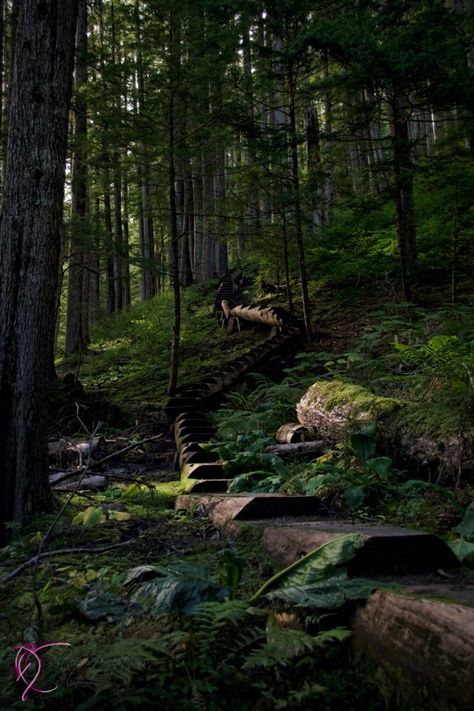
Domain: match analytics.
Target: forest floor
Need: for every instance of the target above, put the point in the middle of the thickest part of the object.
(120, 655)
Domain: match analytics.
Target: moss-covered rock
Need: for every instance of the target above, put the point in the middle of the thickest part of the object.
(334, 408)
(426, 438)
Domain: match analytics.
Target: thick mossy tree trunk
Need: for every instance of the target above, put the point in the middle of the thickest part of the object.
(30, 240)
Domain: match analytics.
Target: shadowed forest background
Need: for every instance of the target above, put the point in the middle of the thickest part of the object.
(325, 151)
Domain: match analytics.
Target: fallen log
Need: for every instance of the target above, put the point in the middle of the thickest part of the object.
(426, 644)
(292, 432)
(297, 449)
(268, 315)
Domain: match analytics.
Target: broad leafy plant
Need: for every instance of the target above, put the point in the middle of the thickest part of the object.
(374, 476)
(463, 546)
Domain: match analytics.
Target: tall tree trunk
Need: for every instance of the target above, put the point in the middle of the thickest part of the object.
(109, 242)
(285, 249)
(126, 296)
(10, 22)
(219, 202)
(2, 78)
(180, 227)
(77, 320)
(174, 236)
(117, 179)
(94, 299)
(190, 223)
(297, 197)
(30, 241)
(313, 147)
(145, 216)
(329, 187)
(403, 193)
(208, 263)
(199, 219)
(118, 236)
(254, 199)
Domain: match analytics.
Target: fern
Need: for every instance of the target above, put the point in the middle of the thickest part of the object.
(282, 646)
(219, 615)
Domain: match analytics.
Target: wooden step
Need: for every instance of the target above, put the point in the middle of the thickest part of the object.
(207, 486)
(247, 507)
(188, 437)
(386, 549)
(203, 471)
(202, 457)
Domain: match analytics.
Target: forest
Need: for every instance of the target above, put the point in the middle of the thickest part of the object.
(237, 355)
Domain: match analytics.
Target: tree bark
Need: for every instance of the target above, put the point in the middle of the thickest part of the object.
(30, 240)
(2, 75)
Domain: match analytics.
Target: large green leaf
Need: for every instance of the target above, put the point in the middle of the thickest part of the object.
(466, 527)
(142, 572)
(179, 588)
(355, 496)
(462, 548)
(328, 594)
(316, 482)
(102, 606)
(256, 481)
(315, 566)
(230, 568)
(380, 465)
(363, 442)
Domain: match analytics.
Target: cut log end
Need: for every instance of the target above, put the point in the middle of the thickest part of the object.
(292, 432)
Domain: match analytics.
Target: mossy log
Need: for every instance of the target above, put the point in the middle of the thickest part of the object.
(423, 643)
(424, 438)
